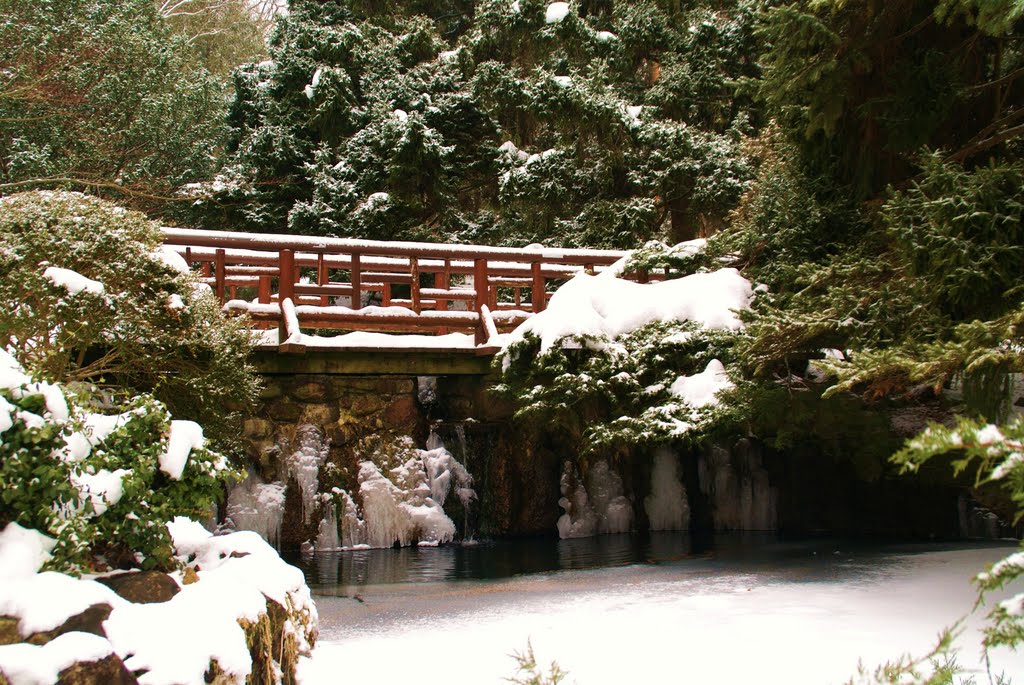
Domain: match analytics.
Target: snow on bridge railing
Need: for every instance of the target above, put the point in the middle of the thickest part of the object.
(288, 282)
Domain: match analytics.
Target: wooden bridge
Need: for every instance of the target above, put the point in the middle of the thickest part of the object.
(288, 283)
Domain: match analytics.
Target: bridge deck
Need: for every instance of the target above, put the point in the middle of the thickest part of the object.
(462, 297)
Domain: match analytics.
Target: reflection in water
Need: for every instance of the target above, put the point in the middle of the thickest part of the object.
(332, 573)
(488, 560)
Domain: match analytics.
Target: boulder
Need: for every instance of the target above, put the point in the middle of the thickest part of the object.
(89, 621)
(108, 671)
(142, 587)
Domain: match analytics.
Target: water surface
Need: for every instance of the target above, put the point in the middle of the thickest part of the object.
(658, 608)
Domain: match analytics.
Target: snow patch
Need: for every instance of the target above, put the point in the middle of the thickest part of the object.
(72, 281)
(185, 437)
(700, 390)
(556, 12)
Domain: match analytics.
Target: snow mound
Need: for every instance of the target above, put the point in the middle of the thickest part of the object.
(185, 437)
(237, 574)
(556, 12)
(606, 306)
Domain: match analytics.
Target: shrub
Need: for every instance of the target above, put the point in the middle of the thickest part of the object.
(87, 295)
(103, 486)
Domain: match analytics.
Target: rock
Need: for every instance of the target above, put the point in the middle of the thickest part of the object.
(284, 411)
(9, 634)
(142, 587)
(403, 412)
(257, 428)
(271, 391)
(108, 671)
(89, 621)
(363, 405)
(310, 392)
(319, 414)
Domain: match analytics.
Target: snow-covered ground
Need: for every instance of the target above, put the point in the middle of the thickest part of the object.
(692, 621)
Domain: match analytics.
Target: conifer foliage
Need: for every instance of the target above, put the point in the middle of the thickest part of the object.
(492, 121)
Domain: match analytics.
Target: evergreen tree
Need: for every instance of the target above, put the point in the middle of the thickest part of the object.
(587, 124)
(100, 95)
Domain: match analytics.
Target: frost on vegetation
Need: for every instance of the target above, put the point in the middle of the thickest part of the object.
(88, 478)
(556, 12)
(606, 36)
(234, 578)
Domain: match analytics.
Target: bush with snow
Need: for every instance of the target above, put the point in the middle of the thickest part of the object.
(613, 362)
(103, 486)
(88, 294)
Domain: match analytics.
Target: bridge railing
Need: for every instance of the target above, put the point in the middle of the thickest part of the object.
(397, 287)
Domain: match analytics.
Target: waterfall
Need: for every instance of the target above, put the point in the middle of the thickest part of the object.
(303, 464)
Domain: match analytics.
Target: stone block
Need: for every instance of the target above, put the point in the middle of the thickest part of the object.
(319, 414)
(257, 428)
(402, 413)
(284, 411)
(363, 405)
(313, 391)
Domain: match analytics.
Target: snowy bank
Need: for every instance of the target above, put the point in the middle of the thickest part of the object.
(236, 611)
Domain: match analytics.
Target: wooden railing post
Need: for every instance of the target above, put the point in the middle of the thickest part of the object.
(321, 277)
(220, 260)
(414, 288)
(642, 277)
(285, 287)
(264, 290)
(480, 284)
(443, 281)
(538, 292)
(357, 282)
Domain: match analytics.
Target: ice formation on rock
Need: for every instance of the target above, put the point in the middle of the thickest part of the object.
(667, 507)
(598, 506)
(304, 464)
(257, 506)
(403, 506)
(736, 484)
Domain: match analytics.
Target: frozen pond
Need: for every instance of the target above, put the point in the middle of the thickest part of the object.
(621, 609)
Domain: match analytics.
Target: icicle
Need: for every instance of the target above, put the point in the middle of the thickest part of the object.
(327, 536)
(579, 519)
(303, 464)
